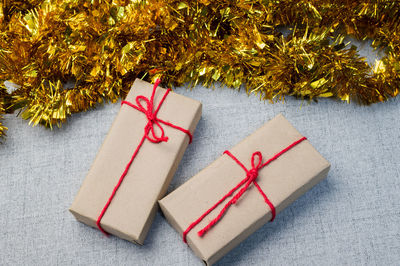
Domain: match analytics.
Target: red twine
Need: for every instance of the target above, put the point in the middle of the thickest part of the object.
(153, 120)
(251, 176)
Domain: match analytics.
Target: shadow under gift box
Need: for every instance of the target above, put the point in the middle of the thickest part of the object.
(283, 181)
(134, 205)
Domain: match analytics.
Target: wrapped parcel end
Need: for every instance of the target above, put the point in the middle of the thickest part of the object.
(243, 189)
(137, 161)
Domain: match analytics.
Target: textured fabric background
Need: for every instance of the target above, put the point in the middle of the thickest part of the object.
(351, 218)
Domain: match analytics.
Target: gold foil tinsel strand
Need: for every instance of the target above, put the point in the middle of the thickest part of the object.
(2, 111)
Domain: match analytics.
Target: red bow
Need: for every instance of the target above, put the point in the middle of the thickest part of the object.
(151, 115)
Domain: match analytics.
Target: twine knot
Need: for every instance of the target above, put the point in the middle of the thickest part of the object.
(146, 106)
(152, 119)
(252, 174)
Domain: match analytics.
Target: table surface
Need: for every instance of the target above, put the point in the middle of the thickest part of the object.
(352, 217)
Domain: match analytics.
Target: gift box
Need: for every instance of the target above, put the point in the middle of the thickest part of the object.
(243, 189)
(137, 161)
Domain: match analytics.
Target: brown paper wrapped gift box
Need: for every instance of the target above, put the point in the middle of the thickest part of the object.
(134, 205)
(283, 181)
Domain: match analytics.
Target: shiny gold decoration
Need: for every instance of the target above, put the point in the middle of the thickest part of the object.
(69, 55)
(2, 95)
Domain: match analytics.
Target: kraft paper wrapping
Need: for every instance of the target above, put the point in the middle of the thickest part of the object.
(283, 181)
(133, 208)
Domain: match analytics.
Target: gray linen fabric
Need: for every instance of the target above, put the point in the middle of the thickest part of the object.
(351, 218)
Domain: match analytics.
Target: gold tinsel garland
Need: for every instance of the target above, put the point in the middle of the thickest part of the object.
(100, 46)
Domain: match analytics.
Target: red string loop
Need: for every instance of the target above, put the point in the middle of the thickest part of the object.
(251, 176)
(149, 134)
(253, 158)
